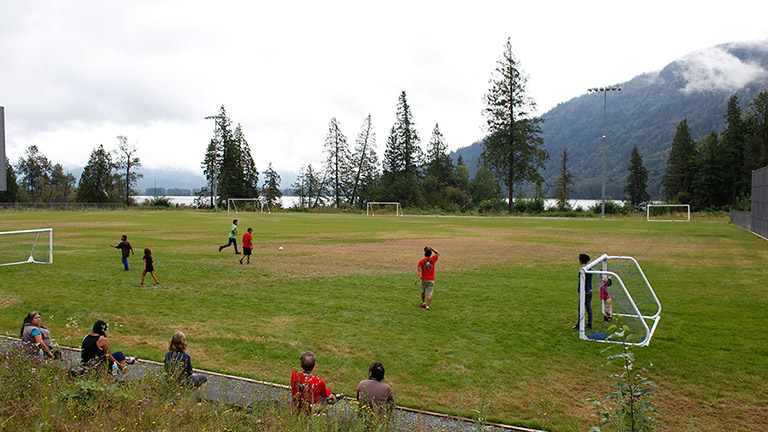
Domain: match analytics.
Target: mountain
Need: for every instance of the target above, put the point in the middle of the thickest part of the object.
(646, 114)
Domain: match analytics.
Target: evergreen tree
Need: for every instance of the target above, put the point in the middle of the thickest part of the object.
(271, 188)
(402, 157)
(711, 188)
(438, 162)
(300, 188)
(461, 175)
(337, 162)
(514, 149)
(35, 171)
(12, 188)
(127, 162)
(677, 182)
(734, 141)
(97, 183)
(250, 187)
(365, 164)
(62, 186)
(637, 180)
(758, 120)
(211, 167)
(316, 187)
(563, 183)
(484, 186)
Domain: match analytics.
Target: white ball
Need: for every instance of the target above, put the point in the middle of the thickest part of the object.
(280, 248)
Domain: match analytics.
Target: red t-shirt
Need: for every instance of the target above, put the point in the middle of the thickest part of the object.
(307, 389)
(247, 241)
(427, 266)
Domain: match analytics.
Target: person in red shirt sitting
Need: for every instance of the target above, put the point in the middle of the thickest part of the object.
(308, 389)
(426, 272)
(247, 246)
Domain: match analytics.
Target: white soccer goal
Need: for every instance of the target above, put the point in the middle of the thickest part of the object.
(27, 246)
(256, 203)
(383, 207)
(668, 213)
(634, 302)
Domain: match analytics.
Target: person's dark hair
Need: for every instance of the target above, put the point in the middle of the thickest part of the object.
(584, 258)
(234, 220)
(100, 327)
(427, 251)
(307, 361)
(28, 319)
(124, 237)
(147, 252)
(249, 229)
(377, 371)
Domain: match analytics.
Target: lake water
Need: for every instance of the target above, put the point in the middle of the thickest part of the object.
(290, 201)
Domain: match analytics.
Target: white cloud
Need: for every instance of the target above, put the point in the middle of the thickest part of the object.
(715, 69)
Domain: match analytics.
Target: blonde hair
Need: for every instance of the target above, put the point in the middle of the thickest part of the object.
(178, 342)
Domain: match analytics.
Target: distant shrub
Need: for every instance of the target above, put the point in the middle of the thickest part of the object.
(529, 205)
(494, 205)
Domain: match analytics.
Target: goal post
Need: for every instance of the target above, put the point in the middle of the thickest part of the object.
(668, 213)
(372, 206)
(26, 246)
(258, 203)
(634, 301)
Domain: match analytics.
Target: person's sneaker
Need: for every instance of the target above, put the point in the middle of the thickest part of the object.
(426, 307)
(130, 360)
(241, 260)
(219, 248)
(422, 305)
(588, 327)
(576, 327)
(237, 253)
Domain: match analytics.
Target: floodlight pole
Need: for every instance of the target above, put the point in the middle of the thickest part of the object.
(605, 91)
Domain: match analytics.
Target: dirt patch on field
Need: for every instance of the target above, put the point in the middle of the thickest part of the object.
(7, 302)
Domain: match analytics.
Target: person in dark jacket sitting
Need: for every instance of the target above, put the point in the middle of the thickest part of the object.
(95, 353)
(36, 337)
(178, 364)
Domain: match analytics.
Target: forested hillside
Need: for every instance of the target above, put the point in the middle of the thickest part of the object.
(646, 114)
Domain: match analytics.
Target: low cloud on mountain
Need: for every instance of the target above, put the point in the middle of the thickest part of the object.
(718, 69)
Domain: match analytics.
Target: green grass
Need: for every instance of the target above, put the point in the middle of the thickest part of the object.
(499, 330)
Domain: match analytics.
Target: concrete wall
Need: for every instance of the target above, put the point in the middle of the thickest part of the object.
(759, 223)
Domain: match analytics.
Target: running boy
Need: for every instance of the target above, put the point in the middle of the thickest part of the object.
(232, 237)
(426, 272)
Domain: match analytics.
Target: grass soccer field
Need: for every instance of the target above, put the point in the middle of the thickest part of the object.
(498, 335)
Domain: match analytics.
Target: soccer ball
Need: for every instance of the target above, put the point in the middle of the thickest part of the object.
(280, 248)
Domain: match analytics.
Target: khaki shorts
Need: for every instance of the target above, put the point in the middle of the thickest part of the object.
(427, 287)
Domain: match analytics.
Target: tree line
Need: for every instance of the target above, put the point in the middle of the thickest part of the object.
(715, 172)
(108, 177)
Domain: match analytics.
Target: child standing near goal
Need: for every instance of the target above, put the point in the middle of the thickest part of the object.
(149, 266)
(605, 296)
(426, 272)
(584, 260)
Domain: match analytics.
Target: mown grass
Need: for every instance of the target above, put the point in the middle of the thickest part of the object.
(499, 330)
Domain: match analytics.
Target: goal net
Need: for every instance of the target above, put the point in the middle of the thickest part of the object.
(238, 205)
(668, 213)
(632, 298)
(27, 246)
(373, 208)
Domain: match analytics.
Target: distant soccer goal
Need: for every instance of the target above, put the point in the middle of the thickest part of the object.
(668, 213)
(383, 208)
(634, 302)
(247, 204)
(27, 246)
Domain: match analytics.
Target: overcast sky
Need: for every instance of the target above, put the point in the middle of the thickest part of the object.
(75, 74)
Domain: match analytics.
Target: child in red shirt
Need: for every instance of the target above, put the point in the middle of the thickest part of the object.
(426, 272)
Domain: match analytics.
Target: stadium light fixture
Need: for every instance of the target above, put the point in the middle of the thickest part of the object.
(604, 91)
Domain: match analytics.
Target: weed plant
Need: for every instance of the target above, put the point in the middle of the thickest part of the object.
(40, 395)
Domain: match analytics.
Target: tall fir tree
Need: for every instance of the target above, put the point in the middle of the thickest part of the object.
(337, 162)
(484, 185)
(677, 182)
(35, 171)
(711, 187)
(513, 150)
(758, 121)
(563, 183)
(127, 163)
(365, 164)
(97, 183)
(250, 187)
(734, 141)
(438, 162)
(271, 189)
(636, 189)
(402, 158)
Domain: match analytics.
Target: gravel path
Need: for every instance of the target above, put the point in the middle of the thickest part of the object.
(248, 392)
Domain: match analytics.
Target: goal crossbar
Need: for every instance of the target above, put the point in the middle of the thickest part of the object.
(370, 207)
(31, 258)
(232, 203)
(686, 206)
